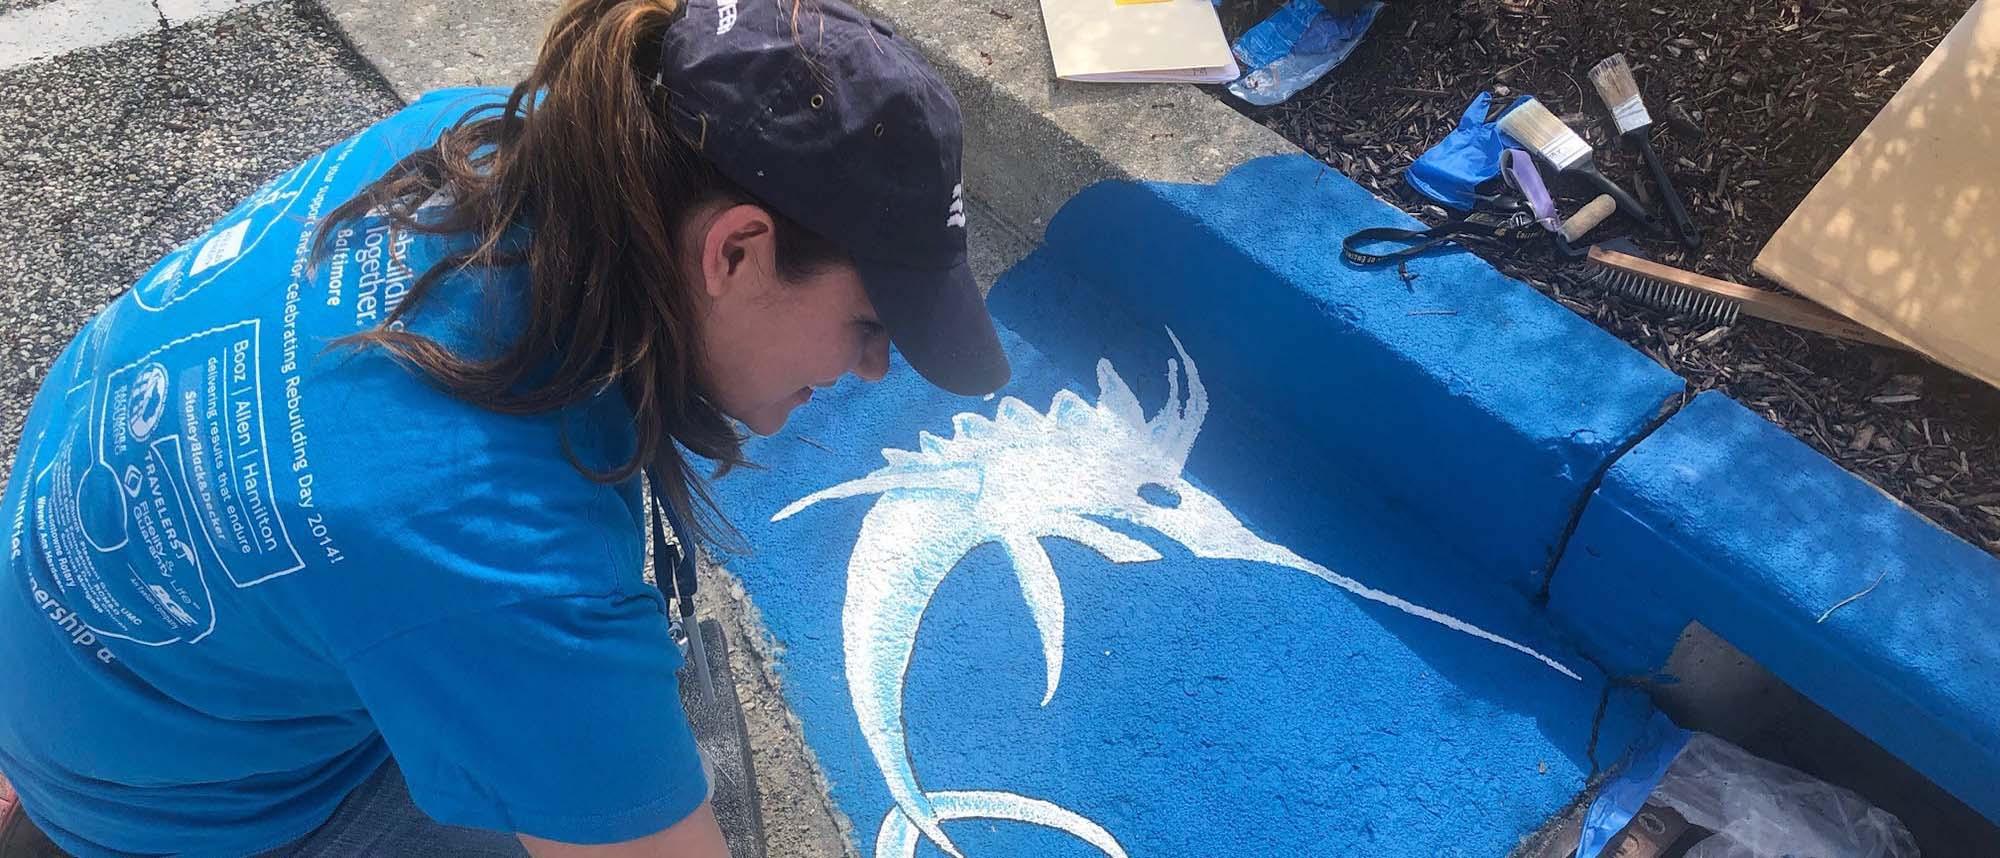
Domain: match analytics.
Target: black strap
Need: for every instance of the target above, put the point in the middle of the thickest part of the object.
(677, 584)
(1474, 226)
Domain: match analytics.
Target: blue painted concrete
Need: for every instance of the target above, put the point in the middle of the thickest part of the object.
(1465, 399)
(1206, 707)
(1723, 518)
(1431, 438)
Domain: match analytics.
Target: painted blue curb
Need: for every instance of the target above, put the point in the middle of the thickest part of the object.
(1205, 706)
(1876, 614)
(1462, 397)
(1340, 658)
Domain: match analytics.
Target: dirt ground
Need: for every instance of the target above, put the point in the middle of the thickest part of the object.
(1753, 100)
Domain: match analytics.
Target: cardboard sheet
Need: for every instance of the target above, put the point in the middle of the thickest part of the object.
(1903, 234)
(1104, 40)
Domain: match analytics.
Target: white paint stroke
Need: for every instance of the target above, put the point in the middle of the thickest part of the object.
(51, 30)
(897, 838)
(1016, 479)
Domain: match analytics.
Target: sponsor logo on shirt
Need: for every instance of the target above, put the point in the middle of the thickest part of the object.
(148, 401)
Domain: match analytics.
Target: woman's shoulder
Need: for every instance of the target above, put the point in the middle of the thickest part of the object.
(438, 109)
(437, 501)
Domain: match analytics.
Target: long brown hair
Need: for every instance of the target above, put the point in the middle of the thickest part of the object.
(581, 155)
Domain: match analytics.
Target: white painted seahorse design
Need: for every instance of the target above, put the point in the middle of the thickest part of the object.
(1014, 480)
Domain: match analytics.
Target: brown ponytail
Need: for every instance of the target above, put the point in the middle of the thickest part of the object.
(580, 152)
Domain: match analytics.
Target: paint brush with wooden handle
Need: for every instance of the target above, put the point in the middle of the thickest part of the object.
(1620, 91)
(1533, 126)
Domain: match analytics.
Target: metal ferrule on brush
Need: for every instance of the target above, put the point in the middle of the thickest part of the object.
(1620, 91)
(1531, 123)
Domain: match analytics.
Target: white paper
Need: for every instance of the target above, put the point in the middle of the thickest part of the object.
(1172, 40)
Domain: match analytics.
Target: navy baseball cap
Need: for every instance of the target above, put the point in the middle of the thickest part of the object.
(840, 125)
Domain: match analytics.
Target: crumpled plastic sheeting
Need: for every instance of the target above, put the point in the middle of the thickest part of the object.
(1757, 808)
(1760, 809)
(1297, 45)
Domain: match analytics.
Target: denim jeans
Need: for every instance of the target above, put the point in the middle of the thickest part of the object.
(379, 819)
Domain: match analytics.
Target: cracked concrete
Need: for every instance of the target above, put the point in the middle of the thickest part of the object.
(112, 156)
(39, 30)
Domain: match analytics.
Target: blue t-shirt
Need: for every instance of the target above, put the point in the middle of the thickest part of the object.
(242, 570)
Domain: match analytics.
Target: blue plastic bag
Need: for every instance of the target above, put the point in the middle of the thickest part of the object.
(1297, 45)
(1465, 158)
(1622, 796)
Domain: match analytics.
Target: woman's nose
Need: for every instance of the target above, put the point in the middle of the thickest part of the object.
(874, 365)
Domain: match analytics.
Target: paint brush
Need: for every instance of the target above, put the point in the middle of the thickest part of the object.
(1620, 91)
(1533, 126)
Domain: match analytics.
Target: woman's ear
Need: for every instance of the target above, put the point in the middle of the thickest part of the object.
(739, 252)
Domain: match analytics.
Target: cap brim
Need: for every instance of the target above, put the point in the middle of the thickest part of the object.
(938, 320)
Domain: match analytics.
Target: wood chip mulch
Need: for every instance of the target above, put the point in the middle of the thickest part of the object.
(1757, 99)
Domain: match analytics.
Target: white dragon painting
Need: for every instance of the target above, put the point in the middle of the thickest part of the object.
(1016, 479)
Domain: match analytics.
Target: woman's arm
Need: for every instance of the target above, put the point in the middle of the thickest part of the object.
(697, 836)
